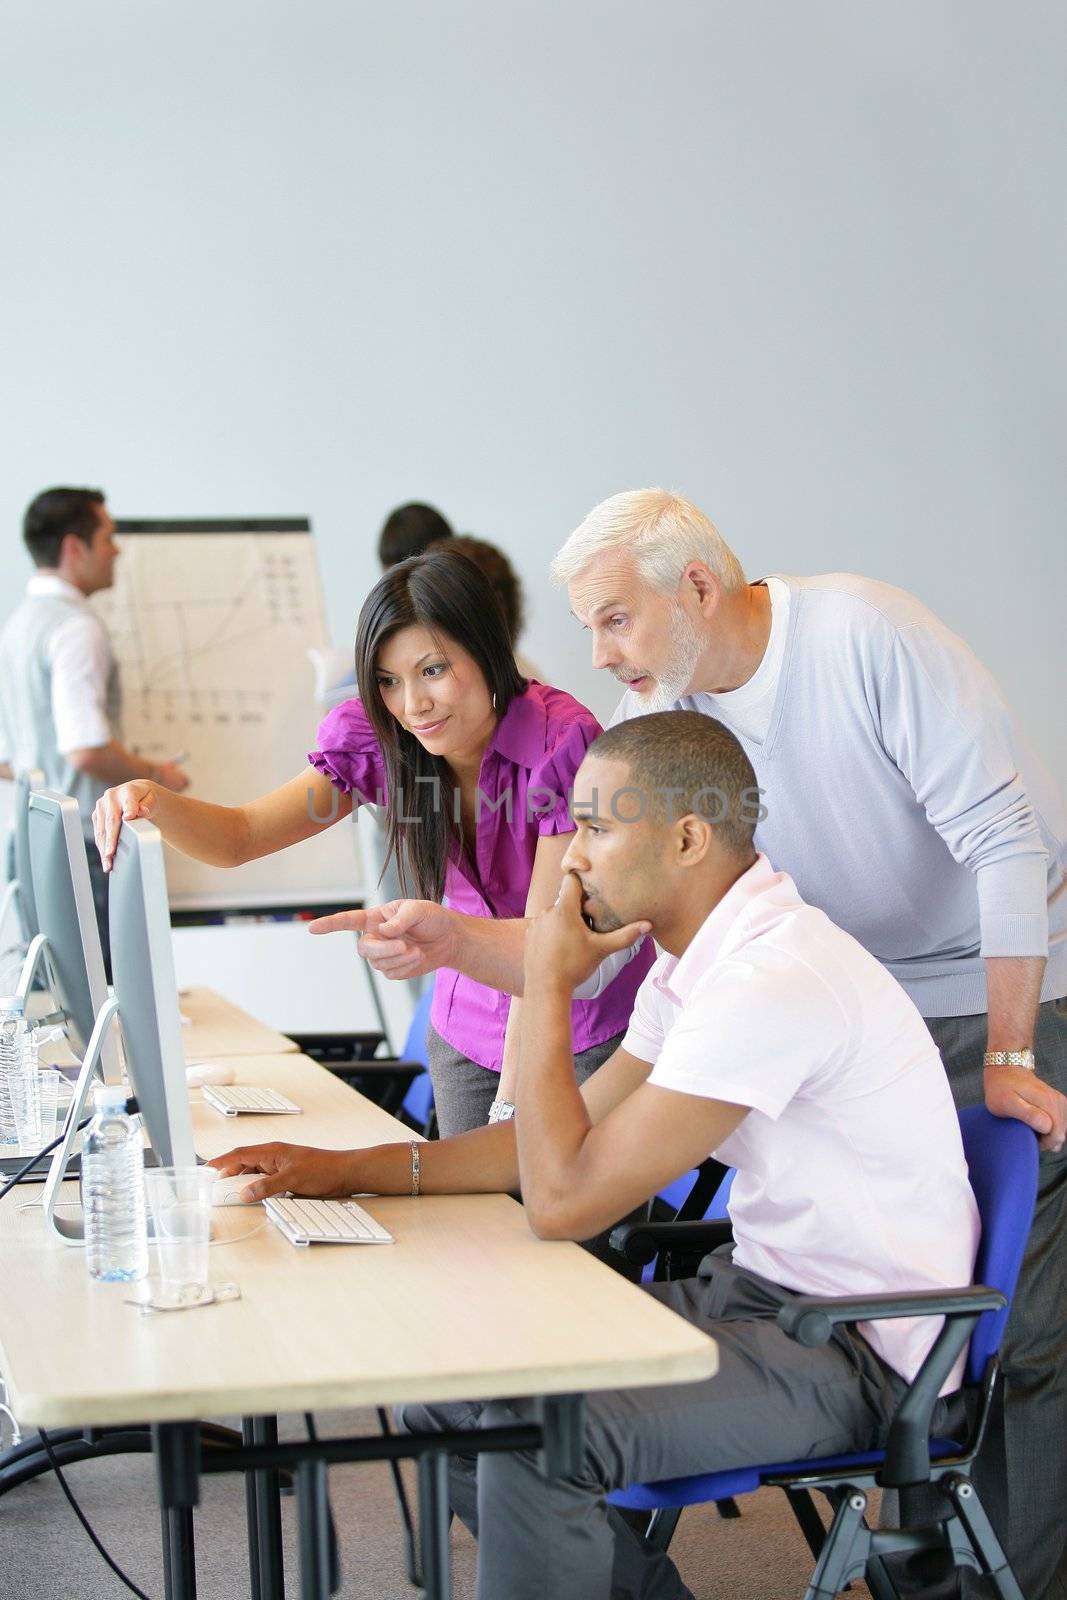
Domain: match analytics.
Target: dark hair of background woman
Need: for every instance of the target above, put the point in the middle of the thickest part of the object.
(501, 574)
(410, 530)
(448, 595)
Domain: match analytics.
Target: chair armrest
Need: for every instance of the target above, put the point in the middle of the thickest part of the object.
(907, 1457)
(384, 1082)
(376, 1068)
(641, 1242)
(334, 1046)
(810, 1321)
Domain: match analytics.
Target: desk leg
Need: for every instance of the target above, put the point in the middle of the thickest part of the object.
(563, 1419)
(177, 1451)
(433, 1526)
(269, 1569)
(314, 1531)
(252, 1515)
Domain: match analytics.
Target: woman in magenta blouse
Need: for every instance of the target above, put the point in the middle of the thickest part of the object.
(474, 765)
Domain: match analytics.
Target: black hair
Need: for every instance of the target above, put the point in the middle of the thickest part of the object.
(410, 530)
(447, 594)
(683, 762)
(501, 574)
(52, 515)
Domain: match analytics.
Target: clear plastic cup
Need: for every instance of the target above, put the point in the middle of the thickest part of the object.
(49, 1082)
(179, 1202)
(24, 1088)
(35, 1103)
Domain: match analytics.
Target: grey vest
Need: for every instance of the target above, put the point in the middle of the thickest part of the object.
(26, 697)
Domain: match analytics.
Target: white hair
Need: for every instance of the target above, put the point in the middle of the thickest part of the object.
(662, 532)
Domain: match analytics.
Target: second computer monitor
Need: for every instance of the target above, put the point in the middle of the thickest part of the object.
(63, 898)
(142, 969)
(25, 783)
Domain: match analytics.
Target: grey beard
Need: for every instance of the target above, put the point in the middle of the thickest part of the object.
(666, 692)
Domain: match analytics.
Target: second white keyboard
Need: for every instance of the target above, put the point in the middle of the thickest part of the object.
(235, 1100)
(324, 1221)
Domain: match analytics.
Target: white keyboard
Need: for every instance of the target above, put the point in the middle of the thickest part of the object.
(235, 1100)
(324, 1221)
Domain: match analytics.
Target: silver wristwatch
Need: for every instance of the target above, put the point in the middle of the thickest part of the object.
(501, 1111)
(1010, 1058)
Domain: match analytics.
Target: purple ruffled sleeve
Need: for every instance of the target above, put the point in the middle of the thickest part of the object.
(349, 753)
(554, 775)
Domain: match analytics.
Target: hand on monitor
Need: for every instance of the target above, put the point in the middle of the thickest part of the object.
(290, 1169)
(122, 804)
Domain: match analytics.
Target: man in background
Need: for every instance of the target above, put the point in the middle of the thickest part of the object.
(60, 697)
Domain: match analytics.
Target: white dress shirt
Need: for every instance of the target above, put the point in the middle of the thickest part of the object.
(851, 1178)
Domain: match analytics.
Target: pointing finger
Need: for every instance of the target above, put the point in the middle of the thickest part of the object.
(340, 922)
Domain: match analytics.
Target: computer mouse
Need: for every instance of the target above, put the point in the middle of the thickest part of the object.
(227, 1191)
(209, 1072)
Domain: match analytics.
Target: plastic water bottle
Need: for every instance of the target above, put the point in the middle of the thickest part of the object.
(116, 1237)
(12, 1027)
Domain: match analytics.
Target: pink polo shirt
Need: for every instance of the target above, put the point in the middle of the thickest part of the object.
(851, 1177)
(526, 777)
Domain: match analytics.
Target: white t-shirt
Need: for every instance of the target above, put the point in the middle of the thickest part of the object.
(748, 709)
(851, 1177)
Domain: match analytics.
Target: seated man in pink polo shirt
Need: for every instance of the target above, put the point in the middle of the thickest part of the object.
(763, 1034)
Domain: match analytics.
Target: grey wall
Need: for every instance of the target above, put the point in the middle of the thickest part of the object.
(802, 261)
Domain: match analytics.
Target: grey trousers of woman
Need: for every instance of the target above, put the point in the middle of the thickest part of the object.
(463, 1092)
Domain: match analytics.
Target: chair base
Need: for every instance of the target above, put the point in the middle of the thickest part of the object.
(962, 1536)
(853, 1550)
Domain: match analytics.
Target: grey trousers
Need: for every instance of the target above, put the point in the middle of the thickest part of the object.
(1022, 1471)
(463, 1091)
(772, 1400)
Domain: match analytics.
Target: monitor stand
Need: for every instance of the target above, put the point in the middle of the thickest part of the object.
(72, 1229)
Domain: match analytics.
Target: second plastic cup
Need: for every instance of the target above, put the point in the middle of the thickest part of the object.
(179, 1203)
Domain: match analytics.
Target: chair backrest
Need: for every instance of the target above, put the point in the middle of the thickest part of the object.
(1002, 1161)
(415, 1045)
(677, 1195)
(418, 1102)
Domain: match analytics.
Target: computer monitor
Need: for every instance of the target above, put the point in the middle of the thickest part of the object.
(142, 969)
(66, 917)
(145, 1004)
(25, 783)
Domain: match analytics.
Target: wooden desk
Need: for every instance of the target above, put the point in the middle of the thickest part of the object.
(467, 1303)
(217, 1027)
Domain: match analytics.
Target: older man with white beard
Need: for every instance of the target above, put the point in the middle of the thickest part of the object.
(903, 801)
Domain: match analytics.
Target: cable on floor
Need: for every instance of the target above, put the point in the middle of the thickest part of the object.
(84, 1520)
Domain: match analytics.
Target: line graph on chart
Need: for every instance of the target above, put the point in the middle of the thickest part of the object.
(211, 630)
(207, 629)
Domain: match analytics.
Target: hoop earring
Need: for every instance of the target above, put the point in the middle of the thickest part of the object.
(494, 702)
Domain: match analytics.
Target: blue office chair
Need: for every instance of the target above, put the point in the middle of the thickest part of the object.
(701, 1194)
(418, 1107)
(1002, 1158)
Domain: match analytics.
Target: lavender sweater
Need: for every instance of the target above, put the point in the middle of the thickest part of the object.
(901, 797)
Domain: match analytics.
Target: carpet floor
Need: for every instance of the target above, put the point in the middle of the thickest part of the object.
(45, 1554)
